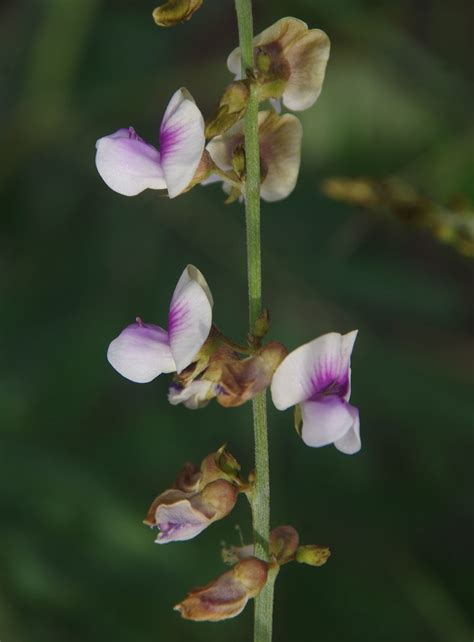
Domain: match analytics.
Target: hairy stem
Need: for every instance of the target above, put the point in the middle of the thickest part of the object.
(261, 494)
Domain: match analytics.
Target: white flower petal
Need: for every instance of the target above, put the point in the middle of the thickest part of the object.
(179, 522)
(307, 57)
(191, 273)
(312, 368)
(181, 141)
(350, 442)
(280, 145)
(194, 395)
(141, 352)
(325, 421)
(127, 164)
(190, 317)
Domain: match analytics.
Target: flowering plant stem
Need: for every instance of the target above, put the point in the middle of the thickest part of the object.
(260, 500)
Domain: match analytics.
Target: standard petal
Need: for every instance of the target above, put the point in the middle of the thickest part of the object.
(280, 145)
(141, 352)
(283, 32)
(350, 442)
(182, 141)
(325, 421)
(190, 317)
(191, 273)
(307, 57)
(127, 164)
(179, 522)
(320, 366)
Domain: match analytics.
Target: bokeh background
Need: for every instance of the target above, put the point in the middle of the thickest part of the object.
(83, 451)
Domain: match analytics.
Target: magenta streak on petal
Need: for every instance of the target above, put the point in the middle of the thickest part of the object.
(169, 138)
(326, 381)
(177, 317)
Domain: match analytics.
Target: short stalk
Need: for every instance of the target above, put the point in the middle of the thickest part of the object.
(260, 500)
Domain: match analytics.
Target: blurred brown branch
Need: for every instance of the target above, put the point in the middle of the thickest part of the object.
(452, 224)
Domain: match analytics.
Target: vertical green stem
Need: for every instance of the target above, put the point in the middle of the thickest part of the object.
(261, 495)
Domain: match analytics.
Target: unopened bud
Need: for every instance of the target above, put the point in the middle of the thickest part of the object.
(227, 595)
(174, 12)
(219, 465)
(313, 554)
(227, 462)
(232, 107)
(238, 160)
(283, 543)
(262, 324)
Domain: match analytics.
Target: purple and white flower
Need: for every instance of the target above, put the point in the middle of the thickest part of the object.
(129, 165)
(142, 351)
(317, 376)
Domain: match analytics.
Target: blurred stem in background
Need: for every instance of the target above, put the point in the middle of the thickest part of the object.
(261, 492)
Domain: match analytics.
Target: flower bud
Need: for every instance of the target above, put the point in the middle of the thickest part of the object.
(283, 543)
(262, 324)
(232, 107)
(238, 160)
(313, 554)
(175, 11)
(226, 596)
(219, 465)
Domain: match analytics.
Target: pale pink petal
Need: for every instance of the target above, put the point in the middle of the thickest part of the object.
(325, 421)
(350, 442)
(190, 317)
(141, 352)
(182, 141)
(179, 522)
(318, 367)
(127, 164)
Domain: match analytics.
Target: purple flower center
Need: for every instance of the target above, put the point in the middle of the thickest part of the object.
(327, 385)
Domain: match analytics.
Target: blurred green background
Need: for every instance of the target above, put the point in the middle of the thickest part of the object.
(83, 451)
